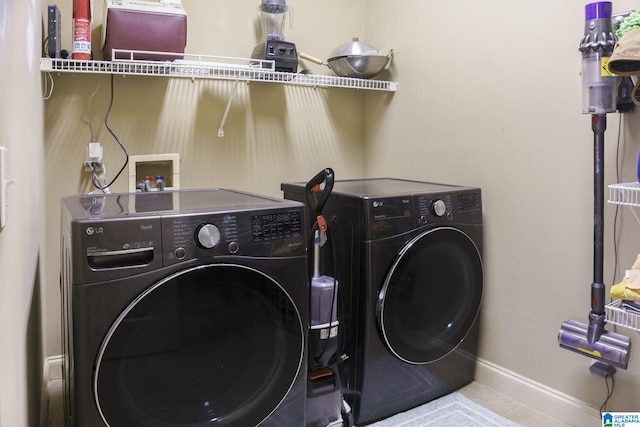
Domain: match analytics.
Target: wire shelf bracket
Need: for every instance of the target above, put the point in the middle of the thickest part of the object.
(206, 67)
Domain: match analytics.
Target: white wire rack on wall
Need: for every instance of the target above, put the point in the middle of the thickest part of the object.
(626, 194)
(207, 67)
(617, 315)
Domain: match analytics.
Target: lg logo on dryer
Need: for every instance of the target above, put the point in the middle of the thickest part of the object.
(381, 203)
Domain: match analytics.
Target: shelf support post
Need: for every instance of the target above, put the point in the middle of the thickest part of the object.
(226, 110)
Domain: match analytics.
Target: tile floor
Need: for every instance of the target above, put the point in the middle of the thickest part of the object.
(508, 407)
(483, 395)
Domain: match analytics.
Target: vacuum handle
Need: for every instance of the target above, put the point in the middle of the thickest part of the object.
(313, 186)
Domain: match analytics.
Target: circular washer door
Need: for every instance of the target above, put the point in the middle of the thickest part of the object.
(431, 295)
(214, 345)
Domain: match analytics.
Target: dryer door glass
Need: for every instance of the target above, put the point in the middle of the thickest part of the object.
(214, 345)
(431, 295)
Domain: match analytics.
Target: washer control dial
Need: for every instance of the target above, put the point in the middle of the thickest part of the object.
(207, 236)
(439, 207)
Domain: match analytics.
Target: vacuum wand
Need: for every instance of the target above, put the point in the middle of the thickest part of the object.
(597, 314)
(593, 340)
(317, 243)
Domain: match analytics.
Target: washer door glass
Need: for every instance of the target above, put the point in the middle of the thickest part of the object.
(431, 295)
(214, 345)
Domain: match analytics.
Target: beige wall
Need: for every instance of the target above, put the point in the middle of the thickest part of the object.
(489, 95)
(22, 239)
(273, 134)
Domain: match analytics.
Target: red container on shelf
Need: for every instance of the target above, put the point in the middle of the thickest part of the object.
(81, 32)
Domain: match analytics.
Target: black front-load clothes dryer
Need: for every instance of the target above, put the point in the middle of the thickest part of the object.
(184, 308)
(408, 259)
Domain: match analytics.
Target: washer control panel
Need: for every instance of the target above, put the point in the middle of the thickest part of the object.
(243, 233)
(113, 236)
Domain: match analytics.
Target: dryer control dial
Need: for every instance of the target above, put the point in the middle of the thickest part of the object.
(439, 207)
(207, 236)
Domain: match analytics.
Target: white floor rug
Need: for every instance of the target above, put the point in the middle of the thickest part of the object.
(451, 410)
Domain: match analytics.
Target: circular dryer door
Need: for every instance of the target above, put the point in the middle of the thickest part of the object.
(431, 295)
(213, 345)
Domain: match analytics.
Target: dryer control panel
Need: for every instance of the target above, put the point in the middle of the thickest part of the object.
(389, 216)
(434, 206)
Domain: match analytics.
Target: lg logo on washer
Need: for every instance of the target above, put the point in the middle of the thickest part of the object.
(94, 230)
(100, 230)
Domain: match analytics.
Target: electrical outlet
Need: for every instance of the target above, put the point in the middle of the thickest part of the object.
(93, 157)
(4, 182)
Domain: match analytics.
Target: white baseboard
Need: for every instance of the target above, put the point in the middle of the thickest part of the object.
(537, 395)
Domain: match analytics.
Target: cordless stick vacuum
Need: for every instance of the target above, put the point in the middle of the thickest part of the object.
(599, 98)
(323, 336)
(325, 405)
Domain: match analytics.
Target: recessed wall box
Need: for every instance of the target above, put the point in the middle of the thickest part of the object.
(155, 165)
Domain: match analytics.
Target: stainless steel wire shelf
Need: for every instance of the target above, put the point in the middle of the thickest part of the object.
(208, 67)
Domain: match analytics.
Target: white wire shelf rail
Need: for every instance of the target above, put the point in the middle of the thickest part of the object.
(627, 194)
(207, 67)
(616, 315)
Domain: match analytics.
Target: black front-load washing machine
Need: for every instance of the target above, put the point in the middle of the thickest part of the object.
(408, 259)
(184, 308)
